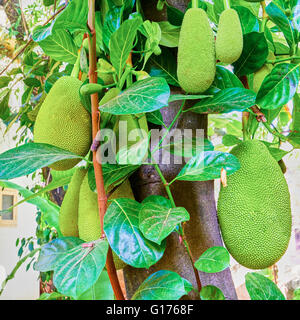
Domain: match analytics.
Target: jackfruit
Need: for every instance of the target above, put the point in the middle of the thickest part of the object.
(196, 66)
(68, 215)
(88, 214)
(254, 210)
(63, 121)
(259, 76)
(229, 40)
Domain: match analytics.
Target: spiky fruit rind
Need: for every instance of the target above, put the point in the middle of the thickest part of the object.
(68, 215)
(196, 66)
(229, 40)
(88, 214)
(254, 210)
(63, 121)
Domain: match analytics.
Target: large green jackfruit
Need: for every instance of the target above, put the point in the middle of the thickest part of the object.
(254, 210)
(88, 214)
(229, 40)
(68, 215)
(196, 67)
(63, 121)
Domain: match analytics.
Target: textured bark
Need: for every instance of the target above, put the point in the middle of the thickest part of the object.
(202, 230)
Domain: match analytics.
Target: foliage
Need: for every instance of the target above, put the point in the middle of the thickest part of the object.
(142, 58)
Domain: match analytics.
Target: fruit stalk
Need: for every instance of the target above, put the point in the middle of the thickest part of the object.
(102, 199)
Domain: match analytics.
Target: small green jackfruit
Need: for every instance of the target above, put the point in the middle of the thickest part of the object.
(254, 210)
(88, 214)
(229, 40)
(196, 67)
(68, 215)
(63, 121)
(259, 76)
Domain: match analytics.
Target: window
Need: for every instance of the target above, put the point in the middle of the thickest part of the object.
(8, 197)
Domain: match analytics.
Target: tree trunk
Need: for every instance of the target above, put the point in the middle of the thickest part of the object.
(202, 231)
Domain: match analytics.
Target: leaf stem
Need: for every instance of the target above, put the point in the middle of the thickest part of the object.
(283, 59)
(195, 4)
(275, 132)
(102, 199)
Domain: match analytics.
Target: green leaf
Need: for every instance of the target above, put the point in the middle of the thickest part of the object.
(4, 106)
(183, 97)
(32, 82)
(143, 96)
(111, 23)
(49, 209)
(160, 200)
(224, 79)
(279, 86)
(162, 285)
(29, 157)
(80, 268)
(121, 226)
(163, 66)
(211, 293)
(51, 186)
(113, 173)
(208, 165)
(51, 253)
(121, 43)
(295, 126)
(155, 117)
(4, 81)
(261, 288)
(169, 34)
(156, 221)
(254, 54)
(175, 16)
(226, 100)
(59, 46)
(74, 17)
(248, 20)
(214, 259)
(277, 15)
(51, 296)
(230, 140)
(101, 290)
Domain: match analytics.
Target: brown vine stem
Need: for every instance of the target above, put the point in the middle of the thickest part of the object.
(102, 199)
(29, 41)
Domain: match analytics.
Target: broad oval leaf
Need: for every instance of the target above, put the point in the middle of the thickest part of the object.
(162, 285)
(277, 15)
(156, 222)
(248, 20)
(156, 199)
(279, 86)
(208, 165)
(121, 43)
(214, 259)
(101, 290)
(80, 268)
(226, 100)
(121, 226)
(169, 34)
(29, 157)
(74, 17)
(52, 252)
(143, 96)
(224, 78)
(261, 288)
(211, 293)
(254, 54)
(59, 46)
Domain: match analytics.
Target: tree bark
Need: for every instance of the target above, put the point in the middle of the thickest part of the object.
(202, 231)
